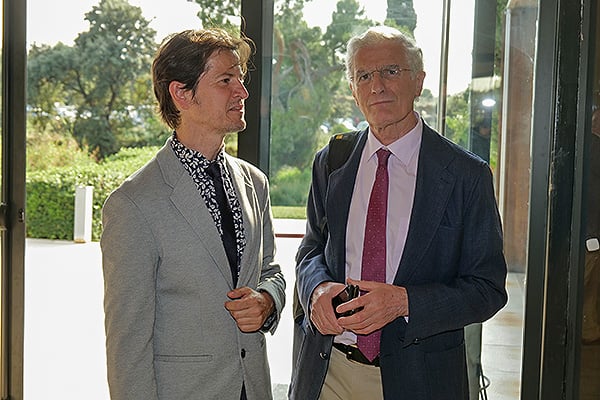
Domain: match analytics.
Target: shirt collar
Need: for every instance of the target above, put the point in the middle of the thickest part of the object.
(404, 149)
(187, 155)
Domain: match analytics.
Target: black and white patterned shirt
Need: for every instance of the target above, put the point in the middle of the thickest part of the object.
(196, 164)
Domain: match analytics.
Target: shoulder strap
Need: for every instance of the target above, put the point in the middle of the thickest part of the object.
(340, 147)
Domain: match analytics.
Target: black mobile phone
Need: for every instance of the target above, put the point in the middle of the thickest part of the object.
(350, 292)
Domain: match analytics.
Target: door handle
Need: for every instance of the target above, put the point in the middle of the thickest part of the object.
(3, 216)
(592, 244)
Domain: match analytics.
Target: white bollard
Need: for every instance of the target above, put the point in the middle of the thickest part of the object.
(84, 200)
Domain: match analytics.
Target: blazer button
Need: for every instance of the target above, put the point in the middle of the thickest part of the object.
(416, 341)
(324, 356)
(243, 353)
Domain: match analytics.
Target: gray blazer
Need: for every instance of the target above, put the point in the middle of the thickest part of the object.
(166, 276)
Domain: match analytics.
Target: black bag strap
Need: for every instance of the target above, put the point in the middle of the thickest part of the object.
(340, 147)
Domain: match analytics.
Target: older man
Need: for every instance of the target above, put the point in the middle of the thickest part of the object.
(411, 219)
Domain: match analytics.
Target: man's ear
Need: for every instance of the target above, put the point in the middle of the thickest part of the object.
(353, 94)
(420, 77)
(180, 95)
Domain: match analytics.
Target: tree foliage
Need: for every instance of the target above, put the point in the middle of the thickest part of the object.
(402, 15)
(309, 91)
(103, 78)
(98, 90)
(223, 14)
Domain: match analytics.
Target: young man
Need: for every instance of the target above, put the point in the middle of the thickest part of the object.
(411, 219)
(188, 243)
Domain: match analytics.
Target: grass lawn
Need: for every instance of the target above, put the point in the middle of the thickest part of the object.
(289, 212)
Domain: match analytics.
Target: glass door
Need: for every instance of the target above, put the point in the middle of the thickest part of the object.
(478, 92)
(589, 385)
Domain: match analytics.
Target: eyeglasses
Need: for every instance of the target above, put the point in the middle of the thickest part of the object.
(389, 73)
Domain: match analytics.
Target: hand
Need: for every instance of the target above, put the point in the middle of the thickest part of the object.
(382, 303)
(321, 309)
(249, 308)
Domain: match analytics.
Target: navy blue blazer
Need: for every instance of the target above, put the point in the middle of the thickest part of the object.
(453, 269)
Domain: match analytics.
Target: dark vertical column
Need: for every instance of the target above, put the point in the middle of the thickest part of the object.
(13, 196)
(254, 142)
(554, 243)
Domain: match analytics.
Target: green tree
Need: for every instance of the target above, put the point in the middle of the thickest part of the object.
(48, 98)
(303, 80)
(309, 91)
(402, 15)
(101, 76)
(457, 118)
(348, 19)
(223, 14)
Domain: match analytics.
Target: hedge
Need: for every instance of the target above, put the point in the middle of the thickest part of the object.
(51, 193)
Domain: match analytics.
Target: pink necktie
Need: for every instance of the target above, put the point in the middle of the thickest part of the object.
(374, 248)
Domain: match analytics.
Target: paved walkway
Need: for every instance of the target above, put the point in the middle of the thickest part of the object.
(64, 319)
(64, 324)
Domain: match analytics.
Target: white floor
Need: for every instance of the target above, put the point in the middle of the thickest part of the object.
(64, 331)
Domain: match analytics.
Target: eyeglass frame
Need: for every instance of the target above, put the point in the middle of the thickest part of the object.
(368, 76)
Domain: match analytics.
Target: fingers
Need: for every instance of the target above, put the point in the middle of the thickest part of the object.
(322, 315)
(238, 293)
(381, 304)
(249, 308)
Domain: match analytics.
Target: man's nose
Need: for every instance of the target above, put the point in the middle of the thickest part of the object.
(242, 91)
(377, 82)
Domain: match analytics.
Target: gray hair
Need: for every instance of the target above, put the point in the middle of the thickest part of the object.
(377, 35)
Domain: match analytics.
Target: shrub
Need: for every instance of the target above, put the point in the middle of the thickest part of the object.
(289, 186)
(49, 149)
(51, 193)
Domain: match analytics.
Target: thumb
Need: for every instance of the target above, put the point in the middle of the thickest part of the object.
(236, 293)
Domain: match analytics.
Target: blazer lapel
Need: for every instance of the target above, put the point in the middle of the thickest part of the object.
(433, 188)
(189, 202)
(247, 199)
(339, 195)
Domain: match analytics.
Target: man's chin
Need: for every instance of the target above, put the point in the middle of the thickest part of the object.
(241, 126)
(237, 128)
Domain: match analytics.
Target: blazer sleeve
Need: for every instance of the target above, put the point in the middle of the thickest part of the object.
(311, 265)
(130, 259)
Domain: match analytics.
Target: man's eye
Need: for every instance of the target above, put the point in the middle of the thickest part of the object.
(363, 77)
(391, 71)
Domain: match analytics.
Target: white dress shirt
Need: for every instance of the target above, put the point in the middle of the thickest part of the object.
(402, 171)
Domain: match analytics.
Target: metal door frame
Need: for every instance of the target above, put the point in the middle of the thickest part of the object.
(12, 209)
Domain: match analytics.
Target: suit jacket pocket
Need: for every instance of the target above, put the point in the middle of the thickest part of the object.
(183, 359)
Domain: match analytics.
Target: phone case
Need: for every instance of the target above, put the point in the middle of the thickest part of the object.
(350, 292)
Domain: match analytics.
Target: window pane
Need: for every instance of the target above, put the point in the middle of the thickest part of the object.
(590, 350)
(487, 108)
(64, 319)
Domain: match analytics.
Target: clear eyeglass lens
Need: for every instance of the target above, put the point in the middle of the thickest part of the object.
(387, 73)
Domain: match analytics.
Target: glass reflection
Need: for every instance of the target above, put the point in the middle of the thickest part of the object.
(590, 351)
(589, 385)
